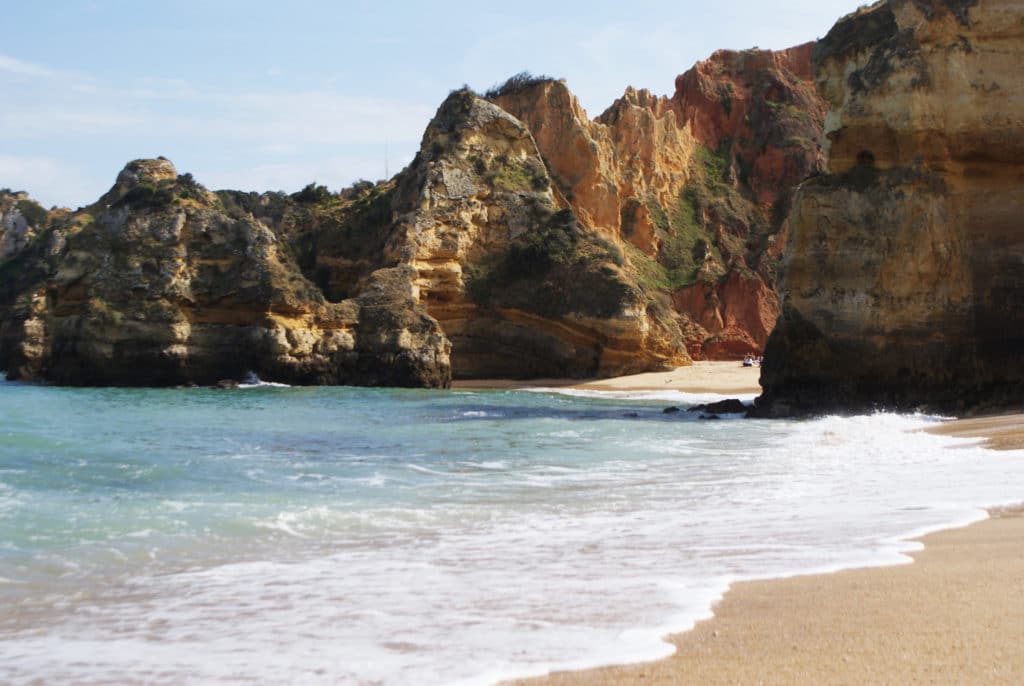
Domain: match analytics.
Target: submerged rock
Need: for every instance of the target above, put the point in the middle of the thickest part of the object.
(730, 406)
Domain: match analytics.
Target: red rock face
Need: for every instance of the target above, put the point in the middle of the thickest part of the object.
(763, 107)
(738, 316)
(759, 110)
(693, 187)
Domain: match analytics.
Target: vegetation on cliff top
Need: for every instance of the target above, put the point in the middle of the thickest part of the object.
(516, 83)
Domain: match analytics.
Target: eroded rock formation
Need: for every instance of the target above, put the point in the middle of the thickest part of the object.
(518, 285)
(904, 277)
(695, 187)
(21, 218)
(159, 284)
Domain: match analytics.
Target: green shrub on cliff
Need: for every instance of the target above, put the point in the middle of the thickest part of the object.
(188, 188)
(704, 231)
(33, 212)
(516, 84)
(148, 197)
(553, 270)
(517, 176)
(312, 193)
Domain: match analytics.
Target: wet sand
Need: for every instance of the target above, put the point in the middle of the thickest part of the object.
(724, 378)
(1001, 432)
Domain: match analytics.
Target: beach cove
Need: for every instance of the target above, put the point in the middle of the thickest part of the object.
(349, 535)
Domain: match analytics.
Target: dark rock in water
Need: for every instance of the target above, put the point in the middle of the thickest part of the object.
(631, 415)
(226, 384)
(670, 410)
(730, 406)
(709, 416)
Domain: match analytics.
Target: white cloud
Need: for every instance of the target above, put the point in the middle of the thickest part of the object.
(168, 108)
(152, 88)
(335, 173)
(13, 65)
(54, 122)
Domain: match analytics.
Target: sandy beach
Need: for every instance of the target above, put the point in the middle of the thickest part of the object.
(725, 378)
(955, 615)
(1000, 432)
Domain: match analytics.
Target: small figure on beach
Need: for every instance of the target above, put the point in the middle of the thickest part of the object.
(748, 360)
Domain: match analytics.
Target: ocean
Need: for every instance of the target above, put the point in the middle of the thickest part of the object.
(274, 535)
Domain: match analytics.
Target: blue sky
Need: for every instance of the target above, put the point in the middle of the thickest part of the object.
(271, 96)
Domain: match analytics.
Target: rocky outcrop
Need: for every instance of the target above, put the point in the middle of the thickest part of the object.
(21, 218)
(694, 187)
(519, 285)
(903, 284)
(159, 283)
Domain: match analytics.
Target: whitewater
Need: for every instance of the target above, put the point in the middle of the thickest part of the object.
(349, 536)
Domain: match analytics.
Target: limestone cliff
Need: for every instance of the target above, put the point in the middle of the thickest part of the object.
(903, 281)
(695, 187)
(21, 219)
(159, 283)
(519, 286)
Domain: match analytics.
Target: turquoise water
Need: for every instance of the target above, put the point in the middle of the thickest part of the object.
(332, 535)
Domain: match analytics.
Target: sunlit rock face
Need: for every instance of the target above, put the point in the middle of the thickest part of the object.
(694, 187)
(519, 284)
(159, 283)
(904, 271)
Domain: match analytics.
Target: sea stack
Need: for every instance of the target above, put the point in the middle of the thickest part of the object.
(903, 281)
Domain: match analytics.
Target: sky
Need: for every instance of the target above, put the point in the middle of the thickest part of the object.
(256, 95)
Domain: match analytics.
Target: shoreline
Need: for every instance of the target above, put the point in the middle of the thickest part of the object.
(997, 432)
(953, 616)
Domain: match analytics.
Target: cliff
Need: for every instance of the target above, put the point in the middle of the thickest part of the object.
(520, 287)
(902, 284)
(524, 240)
(158, 283)
(695, 188)
(21, 219)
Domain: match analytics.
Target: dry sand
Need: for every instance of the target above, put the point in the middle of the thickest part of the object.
(725, 378)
